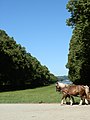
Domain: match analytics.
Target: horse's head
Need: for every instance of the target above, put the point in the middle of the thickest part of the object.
(58, 87)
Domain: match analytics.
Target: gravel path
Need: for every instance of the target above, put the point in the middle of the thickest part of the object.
(44, 112)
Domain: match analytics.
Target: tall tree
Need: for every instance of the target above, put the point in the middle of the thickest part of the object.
(79, 51)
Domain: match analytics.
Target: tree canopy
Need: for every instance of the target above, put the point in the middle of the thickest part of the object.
(19, 69)
(79, 50)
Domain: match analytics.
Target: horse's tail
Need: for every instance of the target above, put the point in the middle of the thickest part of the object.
(86, 90)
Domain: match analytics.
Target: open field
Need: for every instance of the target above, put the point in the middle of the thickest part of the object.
(43, 112)
(46, 94)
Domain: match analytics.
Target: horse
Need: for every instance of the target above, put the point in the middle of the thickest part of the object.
(73, 90)
(60, 86)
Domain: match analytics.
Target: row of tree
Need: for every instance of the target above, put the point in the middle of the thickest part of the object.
(79, 51)
(19, 69)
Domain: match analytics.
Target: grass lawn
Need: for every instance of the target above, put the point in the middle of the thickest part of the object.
(46, 94)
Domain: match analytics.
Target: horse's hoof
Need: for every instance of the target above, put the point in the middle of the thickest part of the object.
(80, 104)
(62, 104)
(71, 104)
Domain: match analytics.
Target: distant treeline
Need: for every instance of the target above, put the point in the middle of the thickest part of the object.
(62, 78)
(19, 69)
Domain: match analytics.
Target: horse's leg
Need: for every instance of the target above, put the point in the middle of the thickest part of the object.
(62, 101)
(86, 101)
(87, 94)
(81, 101)
(65, 99)
(67, 96)
(71, 100)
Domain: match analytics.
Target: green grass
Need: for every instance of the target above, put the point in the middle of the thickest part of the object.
(46, 94)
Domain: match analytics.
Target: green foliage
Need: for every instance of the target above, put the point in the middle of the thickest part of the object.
(79, 51)
(19, 69)
(80, 12)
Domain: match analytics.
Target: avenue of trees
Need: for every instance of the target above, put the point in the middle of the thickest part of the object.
(79, 49)
(19, 69)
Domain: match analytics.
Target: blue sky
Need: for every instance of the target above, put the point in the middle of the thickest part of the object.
(39, 26)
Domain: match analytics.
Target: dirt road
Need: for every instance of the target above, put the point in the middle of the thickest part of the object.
(44, 112)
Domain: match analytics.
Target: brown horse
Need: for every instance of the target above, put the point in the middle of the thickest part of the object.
(60, 86)
(74, 90)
